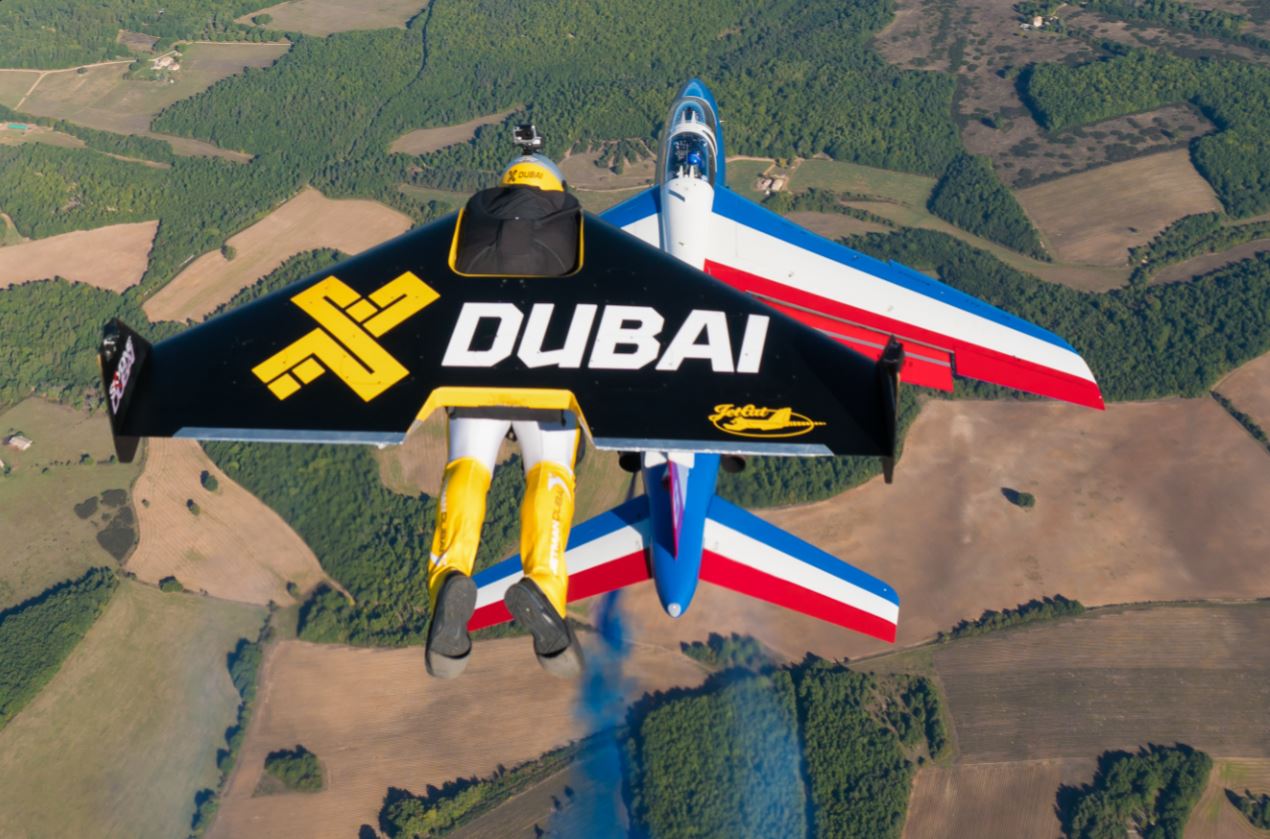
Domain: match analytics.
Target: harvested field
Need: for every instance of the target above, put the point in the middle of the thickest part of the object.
(1249, 388)
(424, 140)
(997, 799)
(597, 201)
(1214, 817)
(113, 258)
(1114, 522)
(1197, 266)
(377, 720)
(119, 741)
(102, 98)
(582, 173)
(236, 548)
(840, 176)
(1081, 224)
(1113, 679)
(189, 147)
(45, 539)
(322, 17)
(307, 222)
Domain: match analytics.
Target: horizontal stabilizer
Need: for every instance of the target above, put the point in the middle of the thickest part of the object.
(746, 554)
(605, 553)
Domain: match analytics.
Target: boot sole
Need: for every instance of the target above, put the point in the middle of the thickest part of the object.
(449, 645)
(554, 643)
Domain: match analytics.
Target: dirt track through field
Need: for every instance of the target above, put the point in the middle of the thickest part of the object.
(376, 720)
(307, 222)
(236, 548)
(113, 258)
(1147, 501)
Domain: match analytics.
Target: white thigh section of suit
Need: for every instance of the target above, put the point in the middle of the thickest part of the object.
(479, 438)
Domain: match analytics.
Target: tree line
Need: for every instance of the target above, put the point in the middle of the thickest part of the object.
(1190, 236)
(1044, 609)
(38, 634)
(972, 197)
(1152, 790)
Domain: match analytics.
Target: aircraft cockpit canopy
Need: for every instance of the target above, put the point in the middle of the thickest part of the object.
(690, 149)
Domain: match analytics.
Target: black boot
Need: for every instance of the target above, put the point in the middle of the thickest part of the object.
(555, 645)
(449, 645)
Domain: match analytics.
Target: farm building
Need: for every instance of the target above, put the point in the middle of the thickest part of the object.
(18, 441)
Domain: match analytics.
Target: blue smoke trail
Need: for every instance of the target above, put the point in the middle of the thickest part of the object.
(602, 707)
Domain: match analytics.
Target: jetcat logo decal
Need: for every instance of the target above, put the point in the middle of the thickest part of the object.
(625, 338)
(753, 421)
(345, 344)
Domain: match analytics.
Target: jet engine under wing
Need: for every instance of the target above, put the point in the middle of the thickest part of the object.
(861, 302)
(650, 353)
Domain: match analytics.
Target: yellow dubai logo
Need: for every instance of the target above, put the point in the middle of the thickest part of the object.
(753, 421)
(345, 342)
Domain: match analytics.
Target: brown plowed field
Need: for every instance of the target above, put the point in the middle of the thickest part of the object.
(1113, 680)
(1146, 501)
(113, 258)
(376, 720)
(306, 222)
(1214, 817)
(1249, 388)
(994, 799)
(424, 140)
(1096, 216)
(236, 548)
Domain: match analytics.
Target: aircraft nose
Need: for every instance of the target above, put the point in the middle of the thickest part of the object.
(696, 87)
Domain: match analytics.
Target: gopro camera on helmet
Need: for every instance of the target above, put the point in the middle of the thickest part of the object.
(527, 137)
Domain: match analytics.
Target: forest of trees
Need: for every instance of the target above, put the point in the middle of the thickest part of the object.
(1047, 608)
(723, 652)
(1182, 17)
(1153, 790)
(972, 197)
(37, 635)
(298, 769)
(1235, 95)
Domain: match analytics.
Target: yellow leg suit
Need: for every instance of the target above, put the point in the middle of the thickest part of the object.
(546, 513)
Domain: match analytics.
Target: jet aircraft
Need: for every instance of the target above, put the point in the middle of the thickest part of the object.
(693, 328)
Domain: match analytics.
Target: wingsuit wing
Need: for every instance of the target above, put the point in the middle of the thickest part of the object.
(651, 355)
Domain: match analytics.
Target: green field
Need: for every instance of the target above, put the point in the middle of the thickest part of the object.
(743, 173)
(45, 540)
(125, 734)
(840, 176)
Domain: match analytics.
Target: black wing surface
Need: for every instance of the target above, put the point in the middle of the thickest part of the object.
(650, 353)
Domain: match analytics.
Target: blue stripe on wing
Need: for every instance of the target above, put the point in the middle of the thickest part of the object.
(743, 211)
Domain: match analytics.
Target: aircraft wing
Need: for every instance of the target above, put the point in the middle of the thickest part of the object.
(604, 553)
(861, 302)
(746, 554)
(649, 353)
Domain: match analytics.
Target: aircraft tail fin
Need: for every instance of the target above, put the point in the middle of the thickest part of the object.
(746, 554)
(122, 358)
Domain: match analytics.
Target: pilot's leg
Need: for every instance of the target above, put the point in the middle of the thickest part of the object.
(473, 450)
(538, 600)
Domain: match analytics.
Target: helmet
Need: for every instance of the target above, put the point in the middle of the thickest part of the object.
(533, 170)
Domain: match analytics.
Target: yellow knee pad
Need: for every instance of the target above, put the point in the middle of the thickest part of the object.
(460, 514)
(545, 517)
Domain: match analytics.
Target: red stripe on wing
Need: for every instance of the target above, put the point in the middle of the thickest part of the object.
(718, 569)
(971, 360)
